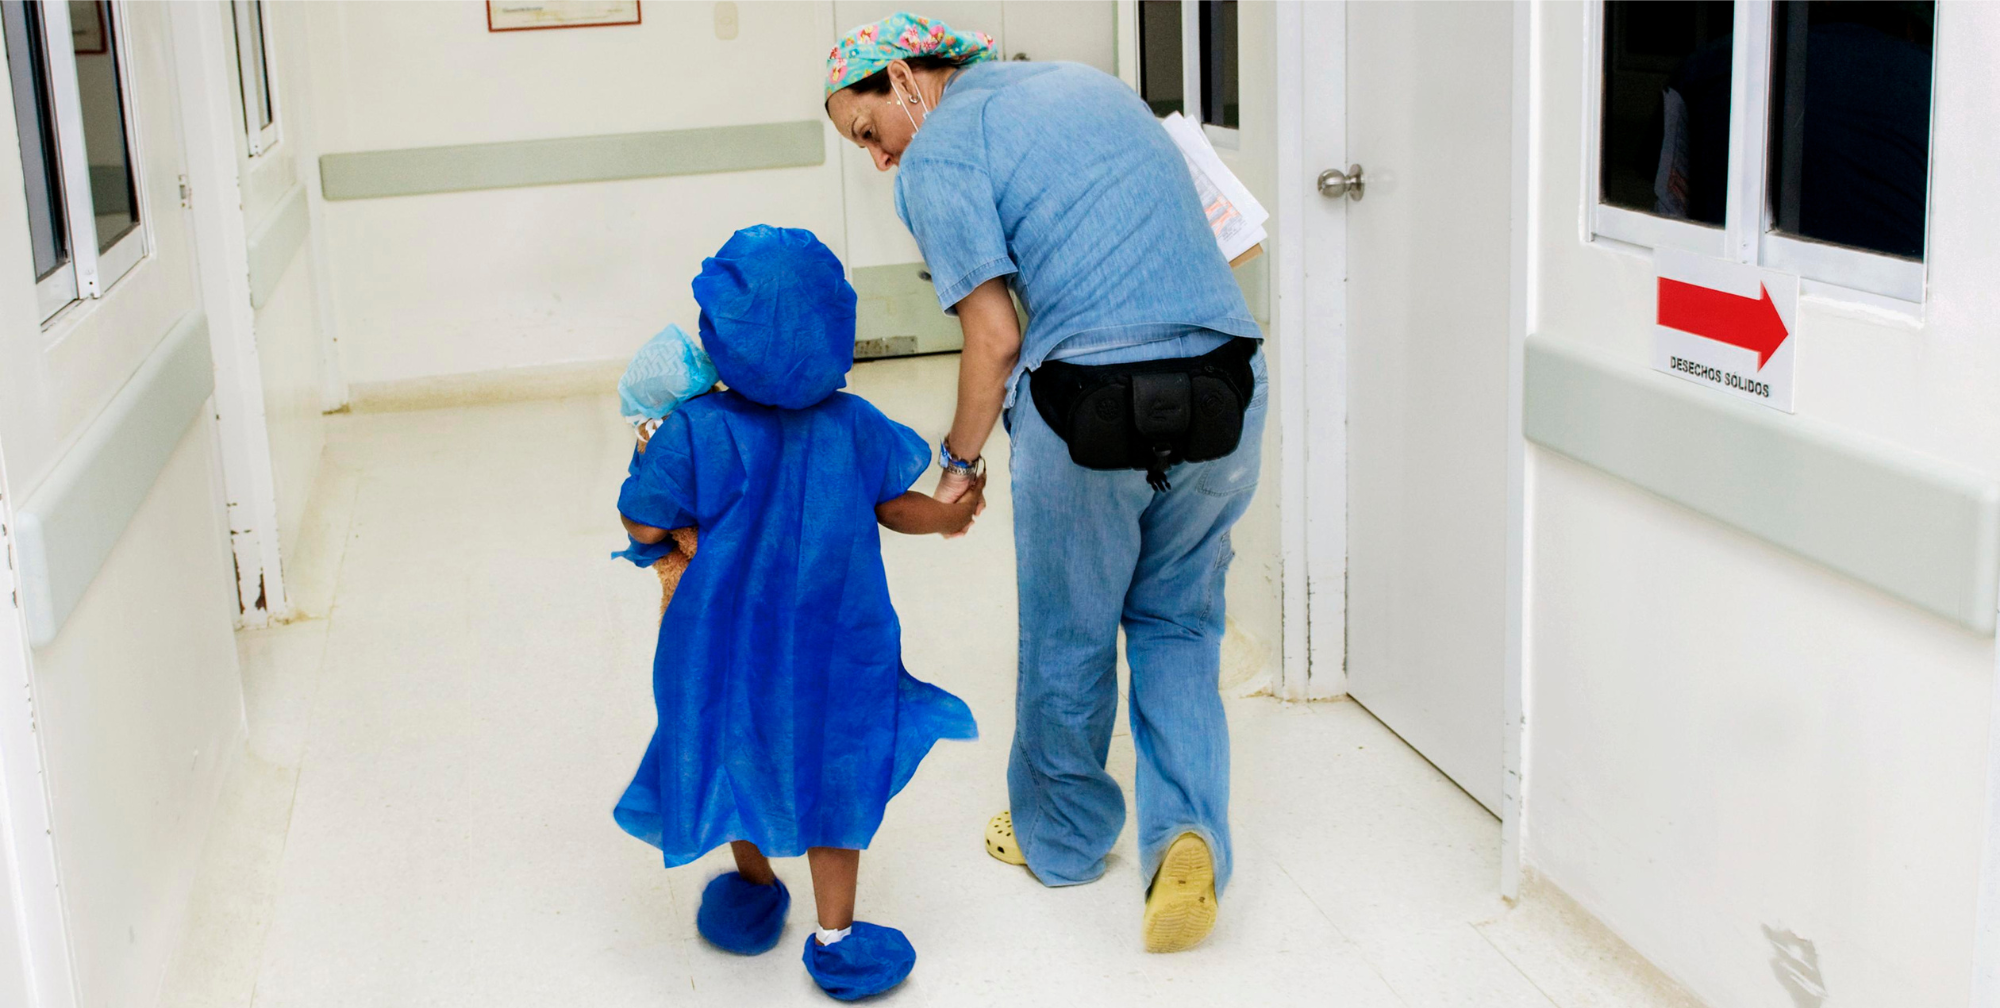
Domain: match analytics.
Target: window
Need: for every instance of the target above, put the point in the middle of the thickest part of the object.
(253, 75)
(1160, 78)
(1188, 48)
(1791, 134)
(84, 220)
(1218, 63)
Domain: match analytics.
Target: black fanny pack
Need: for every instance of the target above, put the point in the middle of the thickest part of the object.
(1148, 415)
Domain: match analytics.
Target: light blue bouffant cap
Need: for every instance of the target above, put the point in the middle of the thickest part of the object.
(777, 316)
(669, 370)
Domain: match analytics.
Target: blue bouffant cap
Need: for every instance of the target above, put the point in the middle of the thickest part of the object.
(777, 316)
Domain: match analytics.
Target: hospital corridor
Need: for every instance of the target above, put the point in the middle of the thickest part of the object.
(422, 815)
(1427, 503)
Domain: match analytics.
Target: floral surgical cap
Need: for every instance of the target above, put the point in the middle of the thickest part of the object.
(870, 48)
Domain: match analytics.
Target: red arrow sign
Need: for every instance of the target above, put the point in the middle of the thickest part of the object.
(1750, 323)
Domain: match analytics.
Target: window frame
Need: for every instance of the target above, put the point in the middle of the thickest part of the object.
(91, 271)
(1195, 100)
(1192, 97)
(56, 290)
(258, 140)
(1746, 235)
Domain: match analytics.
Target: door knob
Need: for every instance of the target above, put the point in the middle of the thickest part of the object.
(1333, 183)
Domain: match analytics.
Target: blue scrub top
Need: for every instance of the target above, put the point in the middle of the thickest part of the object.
(1057, 175)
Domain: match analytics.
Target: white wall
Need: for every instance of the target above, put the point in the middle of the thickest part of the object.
(143, 674)
(14, 989)
(1254, 590)
(142, 714)
(1729, 747)
(468, 282)
(289, 351)
(291, 348)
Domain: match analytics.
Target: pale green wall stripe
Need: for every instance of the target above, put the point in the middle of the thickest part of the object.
(417, 170)
(1922, 530)
(67, 527)
(273, 244)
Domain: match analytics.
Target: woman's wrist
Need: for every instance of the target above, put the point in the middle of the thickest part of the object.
(958, 465)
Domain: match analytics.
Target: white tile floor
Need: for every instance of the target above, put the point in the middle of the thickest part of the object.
(424, 814)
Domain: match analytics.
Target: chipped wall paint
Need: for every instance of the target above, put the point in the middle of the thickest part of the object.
(1796, 966)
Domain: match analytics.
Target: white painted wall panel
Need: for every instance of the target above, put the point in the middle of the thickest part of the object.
(289, 351)
(468, 282)
(14, 989)
(1722, 738)
(1727, 738)
(141, 712)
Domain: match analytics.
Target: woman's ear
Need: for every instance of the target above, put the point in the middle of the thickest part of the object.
(903, 79)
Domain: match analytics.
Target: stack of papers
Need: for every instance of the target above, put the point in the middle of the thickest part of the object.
(1233, 214)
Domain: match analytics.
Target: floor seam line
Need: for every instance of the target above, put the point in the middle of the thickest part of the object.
(1516, 967)
(1366, 959)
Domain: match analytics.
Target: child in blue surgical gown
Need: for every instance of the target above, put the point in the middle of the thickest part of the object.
(786, 718)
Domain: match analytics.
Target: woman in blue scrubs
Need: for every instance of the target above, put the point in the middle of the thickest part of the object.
(1054, 179)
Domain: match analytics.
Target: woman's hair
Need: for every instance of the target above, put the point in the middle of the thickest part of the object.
(878, 82)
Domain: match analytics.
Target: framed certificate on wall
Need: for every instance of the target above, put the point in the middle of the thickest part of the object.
(529, 15)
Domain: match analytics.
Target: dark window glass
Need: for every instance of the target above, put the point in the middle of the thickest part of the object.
(257, 83)
(1851, 123)
(1665, 143)
(1218, 63)
(1160, 56)
(113, 195)
(35, 123)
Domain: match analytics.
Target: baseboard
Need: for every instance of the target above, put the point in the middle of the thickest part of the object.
(477, 388)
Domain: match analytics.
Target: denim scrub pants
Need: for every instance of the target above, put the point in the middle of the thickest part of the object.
(1096, 551)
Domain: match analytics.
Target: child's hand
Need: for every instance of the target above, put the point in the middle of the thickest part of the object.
(919, 514)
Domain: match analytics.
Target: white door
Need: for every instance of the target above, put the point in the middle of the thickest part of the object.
(1428, 98)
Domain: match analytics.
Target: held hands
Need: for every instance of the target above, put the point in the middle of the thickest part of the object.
(964, 503)
(953, 488)
(919, 514)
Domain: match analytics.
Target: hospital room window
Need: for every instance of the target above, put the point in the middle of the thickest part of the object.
(253, 75)
(1851, 123)
(1218, 64)
(67, 75)
(1160, 79)
(1792, 134)
(1666, 109)
(1187, 62)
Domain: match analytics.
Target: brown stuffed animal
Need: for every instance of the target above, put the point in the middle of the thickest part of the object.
(673, 565)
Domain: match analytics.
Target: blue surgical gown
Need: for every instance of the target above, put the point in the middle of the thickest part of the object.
(786, 717)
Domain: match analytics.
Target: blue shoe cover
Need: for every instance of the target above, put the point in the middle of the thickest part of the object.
(740, 916)
(870, 960)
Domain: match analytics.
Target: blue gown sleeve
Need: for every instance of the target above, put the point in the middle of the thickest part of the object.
(644, 554)
(904, 456)
(660, 489)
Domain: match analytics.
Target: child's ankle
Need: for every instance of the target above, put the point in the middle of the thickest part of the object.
(829, 936)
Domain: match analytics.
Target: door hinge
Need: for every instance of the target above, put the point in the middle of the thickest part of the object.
(186, 196)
